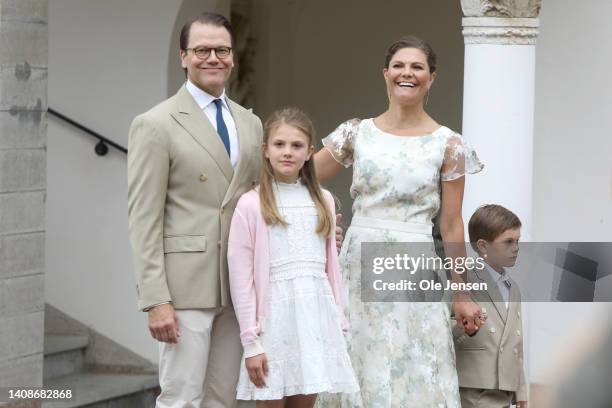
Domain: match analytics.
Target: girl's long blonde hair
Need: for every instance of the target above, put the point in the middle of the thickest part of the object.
(299, 120)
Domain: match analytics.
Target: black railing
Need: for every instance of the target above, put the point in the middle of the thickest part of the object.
(101, 147)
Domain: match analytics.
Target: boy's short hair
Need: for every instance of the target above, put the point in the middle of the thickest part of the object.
(489, 221)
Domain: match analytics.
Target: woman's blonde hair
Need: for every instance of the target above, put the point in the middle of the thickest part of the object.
(298, 119)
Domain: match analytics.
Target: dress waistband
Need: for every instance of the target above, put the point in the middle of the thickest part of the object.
(379, 223)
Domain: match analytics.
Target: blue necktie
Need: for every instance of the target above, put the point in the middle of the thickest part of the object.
(221, 128)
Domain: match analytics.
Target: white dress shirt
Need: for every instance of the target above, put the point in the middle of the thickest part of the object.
(205, 102)
(501, 281)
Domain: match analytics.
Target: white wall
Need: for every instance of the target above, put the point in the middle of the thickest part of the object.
(573, 126)
(572, 159)
(107, 63)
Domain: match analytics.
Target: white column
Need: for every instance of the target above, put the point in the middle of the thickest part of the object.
(498, 111)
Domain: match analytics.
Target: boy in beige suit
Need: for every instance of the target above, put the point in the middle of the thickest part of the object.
(490, 364)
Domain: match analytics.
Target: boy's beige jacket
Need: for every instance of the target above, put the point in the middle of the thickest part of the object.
(493, 358)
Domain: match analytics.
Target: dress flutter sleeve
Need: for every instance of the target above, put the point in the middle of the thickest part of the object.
(459, 159)
(340, 142)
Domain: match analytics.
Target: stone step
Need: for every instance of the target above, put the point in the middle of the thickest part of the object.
(105, 390)
(57, 343)
(64, 355)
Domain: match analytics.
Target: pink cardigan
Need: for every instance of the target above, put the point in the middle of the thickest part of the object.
(248, 257)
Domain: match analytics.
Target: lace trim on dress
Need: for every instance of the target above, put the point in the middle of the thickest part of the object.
(269, 394)
(334, 364)
(459, 159)
(340, 141)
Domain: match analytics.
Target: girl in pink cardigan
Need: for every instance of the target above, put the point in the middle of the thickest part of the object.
(284, 276)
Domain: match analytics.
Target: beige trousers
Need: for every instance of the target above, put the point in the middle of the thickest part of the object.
(201, 370)
(480, 398)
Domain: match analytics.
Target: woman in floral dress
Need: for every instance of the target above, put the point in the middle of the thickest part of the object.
(404, 165)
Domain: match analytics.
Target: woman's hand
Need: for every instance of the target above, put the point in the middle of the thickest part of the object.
(257, 366)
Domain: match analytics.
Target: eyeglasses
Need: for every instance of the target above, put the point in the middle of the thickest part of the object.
(204, 52)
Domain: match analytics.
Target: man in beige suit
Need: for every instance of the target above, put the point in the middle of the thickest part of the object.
(190, 158)
(490, 364)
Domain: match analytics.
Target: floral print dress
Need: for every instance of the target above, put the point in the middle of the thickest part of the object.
(402, 352)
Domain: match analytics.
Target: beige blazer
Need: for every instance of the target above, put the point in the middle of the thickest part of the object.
(182, 191)
(493, 358)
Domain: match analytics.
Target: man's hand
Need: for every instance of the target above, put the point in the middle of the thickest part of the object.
(468, 314)
(257, 366)
(522, 404)
(339, 232)
(163, 323)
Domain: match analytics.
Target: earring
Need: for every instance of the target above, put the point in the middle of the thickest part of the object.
(485, 255)
(427, 98)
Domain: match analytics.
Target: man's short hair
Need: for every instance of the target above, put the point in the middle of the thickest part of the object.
(213, 19)
(490, 221)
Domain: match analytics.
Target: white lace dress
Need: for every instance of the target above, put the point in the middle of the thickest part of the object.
(302, 335)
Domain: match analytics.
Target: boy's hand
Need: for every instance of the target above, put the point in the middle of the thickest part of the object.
(468, 314)
(257, 366)
(521, 404)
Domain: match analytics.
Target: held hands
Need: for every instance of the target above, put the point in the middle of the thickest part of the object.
(163, 323)
(339, 232)
(257, 366)
(468, 314)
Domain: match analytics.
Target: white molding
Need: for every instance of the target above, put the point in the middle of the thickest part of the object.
(498, 30)
(501, 8)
